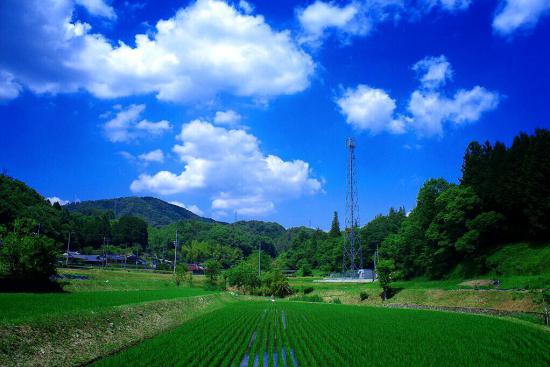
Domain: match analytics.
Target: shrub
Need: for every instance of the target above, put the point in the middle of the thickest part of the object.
(307, 290)
(337, 301)
(305, 270)
(213, 270)
(363, 296)
(314, 298)
(276, 284)
(27, 257)
(385, 270)
(243, 276)
(180, 274)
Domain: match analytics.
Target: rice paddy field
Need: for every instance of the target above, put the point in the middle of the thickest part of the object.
(281, 333)
(18, 308)
(93, 291)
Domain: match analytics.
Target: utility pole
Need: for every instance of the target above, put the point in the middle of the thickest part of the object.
(375, 259)
(175, 249)
(68, 249)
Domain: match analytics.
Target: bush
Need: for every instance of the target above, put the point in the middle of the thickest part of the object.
(27, 257)
(307, 290)
(385, 271)
(213, 270)
(305, 270)
(243, 276)
(314, 298)
(276, 284)
(363, 296)
(180, 274)
(337, 301)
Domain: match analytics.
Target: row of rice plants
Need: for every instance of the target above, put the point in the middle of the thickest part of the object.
(292, 334)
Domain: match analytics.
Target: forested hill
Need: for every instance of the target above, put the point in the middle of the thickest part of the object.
(154, 211)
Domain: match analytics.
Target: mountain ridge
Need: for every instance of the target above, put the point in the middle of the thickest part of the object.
(154, 211)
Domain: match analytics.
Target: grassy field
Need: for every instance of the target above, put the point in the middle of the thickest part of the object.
(18, 308)
(119, 280)
(292, 333)
(102, 290)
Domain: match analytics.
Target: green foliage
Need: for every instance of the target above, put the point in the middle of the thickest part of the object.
(180, 274)
(520, 259)
(377, 230)
(335, 226)
(384, 271)
(275, 284)
(130, 231)
(305, 270)
(27, 256)
(513, 181)
(213, 270)
(363, 296)
(154, 211)
(243, 276)
(307, 290)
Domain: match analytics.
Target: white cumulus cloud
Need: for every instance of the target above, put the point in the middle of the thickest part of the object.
(433, 72)
(519, 14)
(98, 8)
(230, 166)
(192, 208)
(371, 109)
(429, 111)
(229, 118)
(55, 199)
(127, 126)
(358, 18)
(9, 89)
(153, 156)
(428, 108)
(205, 49)
(320, 16)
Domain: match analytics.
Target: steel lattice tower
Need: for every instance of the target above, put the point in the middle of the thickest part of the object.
(352, 258)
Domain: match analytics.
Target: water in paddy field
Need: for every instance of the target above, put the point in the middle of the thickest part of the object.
(256, 359)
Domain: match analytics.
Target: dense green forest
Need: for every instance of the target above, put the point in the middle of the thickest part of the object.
(502, 197)
(152, 210)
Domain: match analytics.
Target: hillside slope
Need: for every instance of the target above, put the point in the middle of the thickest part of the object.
(154, 211)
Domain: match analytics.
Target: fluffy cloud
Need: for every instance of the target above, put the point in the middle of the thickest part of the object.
(360, 17)
(519, 14)
(433, 71)
(246, 7)
(55, 199)
(369, 109)
(428, 109)
(127, 126)
(192, 208)
(152, 156)
(230, 166)
(205, 49)
(9, 89)
(98, 8)
(229, 118)
(448, 5)
(316, 18)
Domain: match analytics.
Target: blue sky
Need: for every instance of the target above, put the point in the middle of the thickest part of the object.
(244, 107)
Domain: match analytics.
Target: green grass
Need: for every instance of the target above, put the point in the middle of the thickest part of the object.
(18, 308)
(340, 335)
(521, 259)
(120, 280)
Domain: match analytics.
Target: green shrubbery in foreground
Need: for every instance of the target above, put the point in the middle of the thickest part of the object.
(329, 335)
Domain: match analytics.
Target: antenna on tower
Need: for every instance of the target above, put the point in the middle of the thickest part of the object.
(352, 258)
